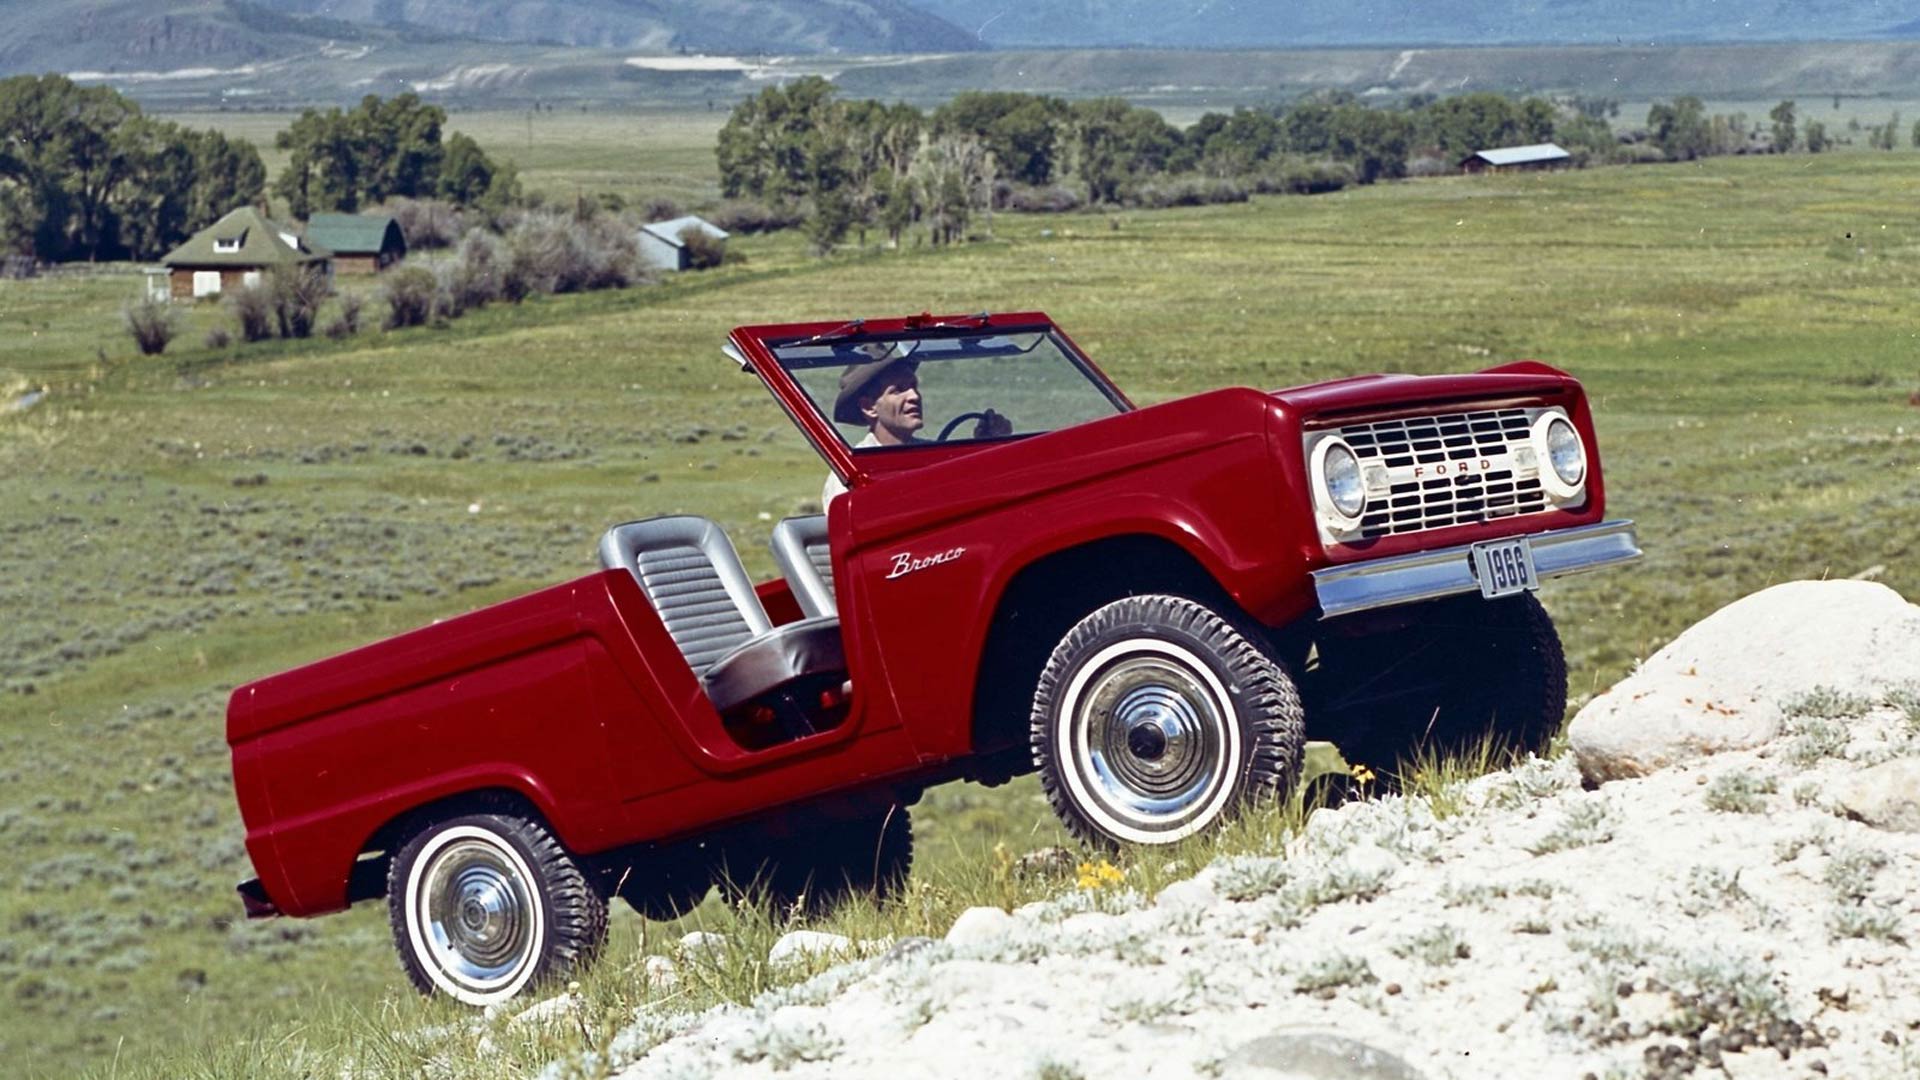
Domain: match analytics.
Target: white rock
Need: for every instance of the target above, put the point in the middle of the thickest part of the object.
(1371, 861)
(1720, 685)
(1886, 796)
(661, 975)
(1193, 894)
(548, 1011)
(798, 946)
(703, 944)
(979, 928)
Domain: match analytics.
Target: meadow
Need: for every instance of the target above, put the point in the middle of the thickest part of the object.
(175, 526)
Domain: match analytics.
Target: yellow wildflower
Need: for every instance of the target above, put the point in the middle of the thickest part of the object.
(1099, 875)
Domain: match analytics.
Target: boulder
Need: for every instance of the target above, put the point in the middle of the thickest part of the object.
(1314, 1055)
(802, 945)
(1886, 796)
(1721, 684)
(979, 928)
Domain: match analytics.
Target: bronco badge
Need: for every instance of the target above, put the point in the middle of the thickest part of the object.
(904, 563)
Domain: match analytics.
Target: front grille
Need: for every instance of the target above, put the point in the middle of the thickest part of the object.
(1418, 503)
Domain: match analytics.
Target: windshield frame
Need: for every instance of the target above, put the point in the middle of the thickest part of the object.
(753, 347)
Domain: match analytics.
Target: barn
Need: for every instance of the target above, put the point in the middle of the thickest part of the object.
(1517, 158)
(235, 251)
(361, 244)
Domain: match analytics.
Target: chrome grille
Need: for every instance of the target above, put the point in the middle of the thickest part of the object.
(1418, 503)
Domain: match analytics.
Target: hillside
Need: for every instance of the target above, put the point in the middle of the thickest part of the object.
(1277, 24)
(231, 41)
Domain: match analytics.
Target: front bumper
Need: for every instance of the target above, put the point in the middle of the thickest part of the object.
(1429, 575)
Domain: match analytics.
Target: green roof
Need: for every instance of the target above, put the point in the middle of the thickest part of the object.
(244, 238)
(353, 234)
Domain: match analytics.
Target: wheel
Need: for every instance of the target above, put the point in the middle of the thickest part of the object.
(1155, 718)
(484, 905)
(1452, 672)
(871, 855)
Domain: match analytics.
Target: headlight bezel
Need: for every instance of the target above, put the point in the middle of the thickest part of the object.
(1337, 518)
(1555, 483)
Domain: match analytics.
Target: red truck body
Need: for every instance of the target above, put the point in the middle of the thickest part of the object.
(576, 699)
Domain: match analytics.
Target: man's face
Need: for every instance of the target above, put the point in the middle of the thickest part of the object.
(892, 405)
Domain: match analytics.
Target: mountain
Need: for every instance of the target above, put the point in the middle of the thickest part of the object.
(236, 35)
(1217, 24)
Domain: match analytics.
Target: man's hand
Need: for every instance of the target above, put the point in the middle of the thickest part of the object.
(992, 425)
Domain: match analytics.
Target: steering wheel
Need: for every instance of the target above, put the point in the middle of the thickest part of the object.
(947, 432)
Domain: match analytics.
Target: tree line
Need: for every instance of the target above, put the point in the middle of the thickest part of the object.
(847, 166)
(86, 175)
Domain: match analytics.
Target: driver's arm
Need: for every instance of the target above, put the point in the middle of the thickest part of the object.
(992, 424)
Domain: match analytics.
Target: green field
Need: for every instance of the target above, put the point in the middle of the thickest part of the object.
(172, 527)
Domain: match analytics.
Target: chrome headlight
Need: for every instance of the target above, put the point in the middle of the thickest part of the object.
(1558, 443)
(1338, 484)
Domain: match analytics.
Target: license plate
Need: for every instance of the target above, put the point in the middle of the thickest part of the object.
(1504, 567)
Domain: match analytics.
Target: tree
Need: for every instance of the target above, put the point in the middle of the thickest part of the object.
(1099, 156)
(1022, 131)
(1816, 137)
(380, 149)
(1916, 133)
(767, 147)
(1680, 129)
(1784, 134)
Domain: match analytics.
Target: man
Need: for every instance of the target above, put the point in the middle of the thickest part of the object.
(883, 394)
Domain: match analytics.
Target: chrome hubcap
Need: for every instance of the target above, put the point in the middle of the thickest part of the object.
(476, 916)
(1153, 746)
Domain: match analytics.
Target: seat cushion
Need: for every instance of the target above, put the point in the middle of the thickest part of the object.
(771, 660)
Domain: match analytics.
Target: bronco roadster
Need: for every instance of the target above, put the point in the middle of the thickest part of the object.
(1155, 608)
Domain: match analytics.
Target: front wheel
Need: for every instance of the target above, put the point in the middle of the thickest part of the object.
(483, 905)
(1155, 718)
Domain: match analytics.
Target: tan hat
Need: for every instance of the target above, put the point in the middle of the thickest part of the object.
(846, 404)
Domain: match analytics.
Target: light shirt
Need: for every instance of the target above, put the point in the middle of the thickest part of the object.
(834, 486)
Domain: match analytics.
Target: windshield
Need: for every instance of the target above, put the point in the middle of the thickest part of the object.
(883, 391)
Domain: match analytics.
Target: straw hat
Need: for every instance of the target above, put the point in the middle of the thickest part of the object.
(857, 376)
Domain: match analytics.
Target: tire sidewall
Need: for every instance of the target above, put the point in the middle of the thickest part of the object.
(418, 951)
(1068, 733)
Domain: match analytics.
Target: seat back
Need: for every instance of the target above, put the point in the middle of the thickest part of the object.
(800, 550)
(693, 577)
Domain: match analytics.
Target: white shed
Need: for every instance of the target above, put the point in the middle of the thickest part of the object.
(662, 246)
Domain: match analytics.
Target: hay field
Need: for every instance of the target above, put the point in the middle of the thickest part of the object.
(172, 527)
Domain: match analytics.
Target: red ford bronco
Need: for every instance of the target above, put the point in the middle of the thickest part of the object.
(1152, 607)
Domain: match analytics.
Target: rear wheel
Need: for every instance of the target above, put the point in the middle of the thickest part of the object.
(1451, 674)
(1156, 718)
(484, 905)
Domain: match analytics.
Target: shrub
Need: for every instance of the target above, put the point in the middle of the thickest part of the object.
(474, 278)
(253, 310)
(704, 250)
(1186, 191)
(152, 324)
(296, 293)
(1052, 199)
(346, 322)
(747, 216)
(427, 223)
(1428, 165)
(1303, 176)
(559, 253)
(660, 208)
(219, 338)
(1740, 793)
(408, 293)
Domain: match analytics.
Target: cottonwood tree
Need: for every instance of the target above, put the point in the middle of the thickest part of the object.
(1784, 132)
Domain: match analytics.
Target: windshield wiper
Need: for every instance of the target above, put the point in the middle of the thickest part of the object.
(843, 331)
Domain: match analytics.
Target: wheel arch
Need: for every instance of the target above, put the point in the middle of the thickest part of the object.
(1042, 601)
(368, 877)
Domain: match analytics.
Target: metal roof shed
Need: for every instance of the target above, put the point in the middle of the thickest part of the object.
(661, 246)
(1536, 156)
(361, 244)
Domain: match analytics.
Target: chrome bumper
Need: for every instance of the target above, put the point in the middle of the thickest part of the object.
(1429, 575)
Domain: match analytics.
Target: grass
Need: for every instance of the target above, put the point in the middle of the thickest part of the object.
(175, 526)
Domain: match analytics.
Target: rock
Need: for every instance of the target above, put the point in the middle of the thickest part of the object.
(1315, 1055)
(799, 946)
(979, 928)
(1886, 796)
(907, 946)
(548, 1011)
(1047, 861)
(702, 944)
(661, 975)
(1371, 861)
(1720, 685)
(1191, 895)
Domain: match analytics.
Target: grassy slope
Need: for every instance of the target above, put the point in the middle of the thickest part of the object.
(1743, 325)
